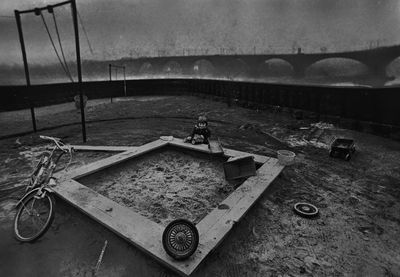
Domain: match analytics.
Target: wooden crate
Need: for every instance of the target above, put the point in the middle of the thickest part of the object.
(239, 167)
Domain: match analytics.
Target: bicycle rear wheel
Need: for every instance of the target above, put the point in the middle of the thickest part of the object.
(34, 217)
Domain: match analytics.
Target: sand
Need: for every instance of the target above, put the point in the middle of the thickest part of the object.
(165, 185)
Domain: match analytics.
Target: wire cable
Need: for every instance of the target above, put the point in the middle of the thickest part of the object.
(84, 31)
(54, 47)
(62, 51)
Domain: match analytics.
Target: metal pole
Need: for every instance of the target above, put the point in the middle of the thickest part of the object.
(28, 80)
(78, 63)
(124, 82)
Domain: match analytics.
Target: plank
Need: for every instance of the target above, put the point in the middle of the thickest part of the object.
(102, 148)
(113, 160)
(147, 234)
(135, 228)
(227, 152)
(216, 225)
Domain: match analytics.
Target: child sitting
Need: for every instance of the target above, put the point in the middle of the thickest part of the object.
(200, 133)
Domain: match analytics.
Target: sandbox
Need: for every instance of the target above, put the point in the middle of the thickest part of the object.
(137, 192)
(165, 184)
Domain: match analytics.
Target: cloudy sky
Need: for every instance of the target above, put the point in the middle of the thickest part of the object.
(130, 28)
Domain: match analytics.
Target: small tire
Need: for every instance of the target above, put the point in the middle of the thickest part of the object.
(31, 200)
(347, 157)
(305, 210)
(180, 239)
(331, 153)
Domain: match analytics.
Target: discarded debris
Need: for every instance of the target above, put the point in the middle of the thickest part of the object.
(239, 167)
(286, 157)
(323, 125)
(342, 147)
(305, 210)
(257, 236)
(223, 207)
(167, 138)
(96, 268)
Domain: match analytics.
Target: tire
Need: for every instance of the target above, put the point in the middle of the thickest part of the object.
(305, 210)
(182, 247)
(24, 230)
(347, 157)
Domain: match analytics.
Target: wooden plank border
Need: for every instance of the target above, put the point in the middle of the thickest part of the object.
(103, 148)
(146, 234)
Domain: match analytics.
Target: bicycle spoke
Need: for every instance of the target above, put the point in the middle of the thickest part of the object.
(33, 220)
(26, 208)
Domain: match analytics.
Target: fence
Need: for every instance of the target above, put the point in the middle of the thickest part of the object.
(352, 107)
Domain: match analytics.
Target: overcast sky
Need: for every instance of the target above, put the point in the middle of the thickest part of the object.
(131, 28)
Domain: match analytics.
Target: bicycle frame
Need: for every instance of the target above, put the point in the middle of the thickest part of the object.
(47, 170)
(46, 189)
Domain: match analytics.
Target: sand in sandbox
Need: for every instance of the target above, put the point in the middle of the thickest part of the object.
(165, 185)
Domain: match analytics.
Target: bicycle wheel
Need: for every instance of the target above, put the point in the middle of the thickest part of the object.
(34, 217)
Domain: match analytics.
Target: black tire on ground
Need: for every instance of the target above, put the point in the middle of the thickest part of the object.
(331, 153)
(180, 239)
(305, 210)
(28, 224)
(347, 157)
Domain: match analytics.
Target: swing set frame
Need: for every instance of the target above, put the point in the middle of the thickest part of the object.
(50, 9)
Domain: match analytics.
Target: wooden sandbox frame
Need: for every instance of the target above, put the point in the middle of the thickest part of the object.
(147, 234)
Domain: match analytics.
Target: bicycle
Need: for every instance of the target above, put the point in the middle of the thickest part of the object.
(36, 208)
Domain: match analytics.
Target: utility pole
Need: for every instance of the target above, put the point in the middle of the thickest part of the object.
(78, 63)
(28, 80)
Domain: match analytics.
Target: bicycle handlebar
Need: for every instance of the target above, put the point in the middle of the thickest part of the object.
(61, 146)
(58, 142)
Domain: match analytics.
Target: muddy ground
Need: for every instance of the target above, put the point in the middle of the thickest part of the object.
(356, 233)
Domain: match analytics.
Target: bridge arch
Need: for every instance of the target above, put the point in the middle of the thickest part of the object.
(146, 68)
(275, 67)
(336, 66)
(172, 67)
(203, 67)
(234, 68)
(393, 68)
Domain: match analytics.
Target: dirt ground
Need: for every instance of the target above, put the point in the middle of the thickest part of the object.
(165, 185)
(356, 233)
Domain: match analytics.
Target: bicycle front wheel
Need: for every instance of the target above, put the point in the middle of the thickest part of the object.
(34, 217)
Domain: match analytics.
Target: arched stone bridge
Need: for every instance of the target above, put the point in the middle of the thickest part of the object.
(376, 60)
